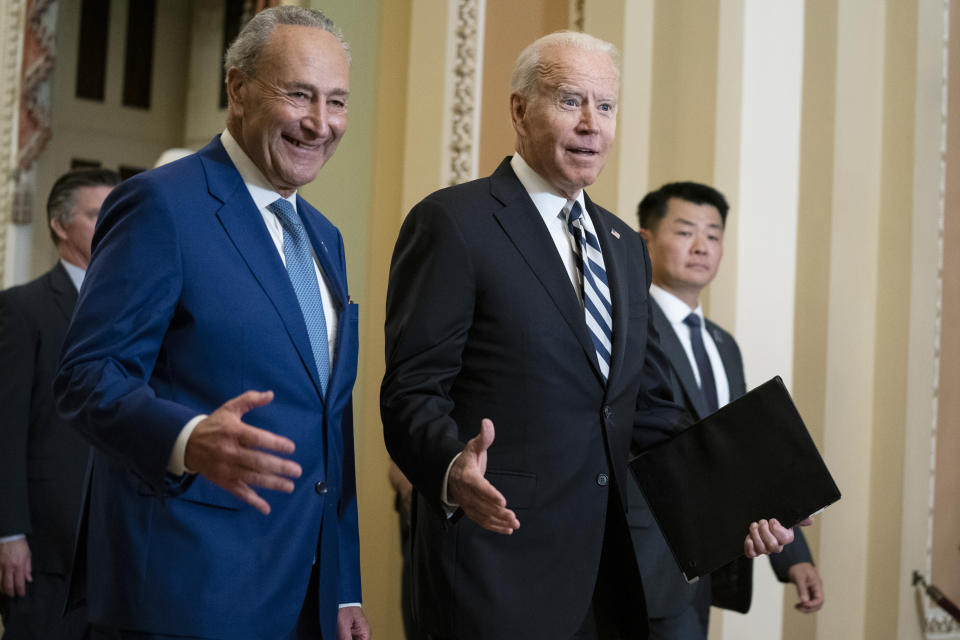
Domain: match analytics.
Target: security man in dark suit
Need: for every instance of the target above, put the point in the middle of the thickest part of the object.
(683, 224)
(42, 463)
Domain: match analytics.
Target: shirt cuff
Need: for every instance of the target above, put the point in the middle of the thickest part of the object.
(13, 538)
(449, 507)
(177, 465)
(350, 604)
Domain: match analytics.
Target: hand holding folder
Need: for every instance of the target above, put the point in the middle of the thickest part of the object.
(753, 459)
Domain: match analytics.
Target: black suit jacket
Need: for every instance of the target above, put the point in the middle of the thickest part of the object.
(483, 322)
(732, 585)
(42, 462)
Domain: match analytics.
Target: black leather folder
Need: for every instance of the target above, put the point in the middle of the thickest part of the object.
(752, 459)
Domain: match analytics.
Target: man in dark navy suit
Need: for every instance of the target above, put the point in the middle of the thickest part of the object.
(683, 224)
(519, 309)
(42, 462)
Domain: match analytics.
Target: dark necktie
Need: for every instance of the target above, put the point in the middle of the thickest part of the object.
(596, 291)
(707, 384)
(303, 277)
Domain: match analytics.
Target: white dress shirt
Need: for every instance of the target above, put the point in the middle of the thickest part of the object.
(676, 310)
(263, 194)
(76, 273)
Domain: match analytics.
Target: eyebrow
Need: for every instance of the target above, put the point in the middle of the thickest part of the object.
(689, 223)
(305, 86)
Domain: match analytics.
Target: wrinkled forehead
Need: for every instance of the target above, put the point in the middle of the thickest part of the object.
(572, 66)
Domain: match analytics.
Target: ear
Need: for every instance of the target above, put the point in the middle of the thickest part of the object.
(58, 229)
(647, 236)
(518, 109)
(236, 90)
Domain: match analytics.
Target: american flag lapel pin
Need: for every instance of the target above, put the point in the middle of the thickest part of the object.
(615, 233)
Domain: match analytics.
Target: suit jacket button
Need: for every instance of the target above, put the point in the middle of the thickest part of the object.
(603, 479)
(320, 488)
(607, 412)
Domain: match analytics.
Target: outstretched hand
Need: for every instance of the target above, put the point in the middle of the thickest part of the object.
(229, 452)
(466, 486)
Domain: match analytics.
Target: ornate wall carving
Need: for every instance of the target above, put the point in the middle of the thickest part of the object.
(466, 34)
(937, 623)
(11, 26)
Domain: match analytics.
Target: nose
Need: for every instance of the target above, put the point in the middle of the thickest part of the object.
(699, 245)
(317, 119)
(588, 119)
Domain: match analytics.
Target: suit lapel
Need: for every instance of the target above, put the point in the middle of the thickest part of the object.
(679, 361)
(244, 225)
(731, 361)
(321, 247)
(614, 262)
(64, 292)
(522, 222)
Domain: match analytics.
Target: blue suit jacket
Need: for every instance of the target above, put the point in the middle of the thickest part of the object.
(187, 304)
(668, 593)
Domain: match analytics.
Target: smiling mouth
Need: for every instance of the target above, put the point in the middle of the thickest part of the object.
(298, 144)
(581, 151)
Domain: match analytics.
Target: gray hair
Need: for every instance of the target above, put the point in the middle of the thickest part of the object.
(60, 202)
(244, 52)
(527, 69)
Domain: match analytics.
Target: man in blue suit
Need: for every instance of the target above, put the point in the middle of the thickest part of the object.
(216, 300)
(683, 224)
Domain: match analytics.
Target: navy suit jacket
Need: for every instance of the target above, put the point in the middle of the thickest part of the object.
(483, 322)
(186, 305)
(668, 593)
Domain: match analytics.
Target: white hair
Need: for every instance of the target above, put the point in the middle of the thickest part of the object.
(527, 69)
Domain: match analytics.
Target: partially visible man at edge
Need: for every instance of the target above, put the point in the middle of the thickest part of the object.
(683, 224)
(42, 461)
(491, 320)
(216, 291)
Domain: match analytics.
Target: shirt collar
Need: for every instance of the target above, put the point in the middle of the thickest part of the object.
(76, 273)
(259, 187)
(673, 307)
(545, 198)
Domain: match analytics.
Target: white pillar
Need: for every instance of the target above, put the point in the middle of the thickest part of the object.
(760, 69)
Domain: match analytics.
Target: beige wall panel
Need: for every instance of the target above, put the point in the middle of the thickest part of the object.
(204, 117)
(813, 243)
(379, 534)
(766, 158)
(720, 299)
(928, 124)
(851, 334)
(510, 27)
(634, 110)
(946, 514)
(684, 91)
(423, 154)
(892, 320)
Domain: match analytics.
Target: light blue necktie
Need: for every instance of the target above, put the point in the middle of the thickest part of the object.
(596, 291)
(303, 277)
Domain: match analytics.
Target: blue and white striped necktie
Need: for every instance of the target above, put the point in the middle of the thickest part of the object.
(596, 291)
(303, 277)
